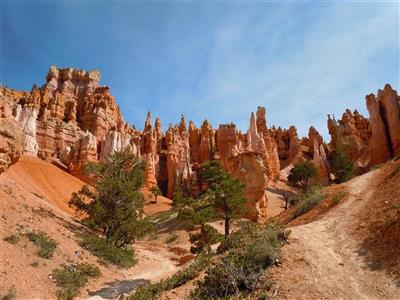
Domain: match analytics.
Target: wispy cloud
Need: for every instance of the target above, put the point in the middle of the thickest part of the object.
(343, 52)
(215, 60)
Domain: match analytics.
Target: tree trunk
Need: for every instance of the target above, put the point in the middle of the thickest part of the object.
(227, 227)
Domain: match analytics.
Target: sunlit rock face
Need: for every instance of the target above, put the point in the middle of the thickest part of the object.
(27, 120)
(84, 151)
(316, 149)
(373, 140)
(389, 110)
(11, 136)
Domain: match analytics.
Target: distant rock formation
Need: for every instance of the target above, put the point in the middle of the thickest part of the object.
(384, 126)
(375, 140)
(73, 118)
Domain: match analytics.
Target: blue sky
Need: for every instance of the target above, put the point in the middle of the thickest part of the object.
(301, 60)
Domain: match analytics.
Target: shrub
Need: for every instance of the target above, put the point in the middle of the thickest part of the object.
(71, 278)
(308, 201)
(46, 245)
(11, 294)
(12, 239)
(156, 192)
(342, 166)
(249, 254)
(301, 174)
(339, 196)
(171, 238)
(203, 239)
(123, 257)
(178, 279)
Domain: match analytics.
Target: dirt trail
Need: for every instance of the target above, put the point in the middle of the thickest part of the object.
(323, 258)
(155, 264)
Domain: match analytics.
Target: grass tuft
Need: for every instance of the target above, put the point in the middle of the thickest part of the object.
(46, 245)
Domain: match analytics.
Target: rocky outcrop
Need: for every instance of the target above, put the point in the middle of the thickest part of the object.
(201, 142)
(84, 151)
(115, 141)
(56, 117)
(243, 156)
(316, 148)
(353, 133)
(390, 110)
(148, 146)
(378, 144)
(249, 167)
(178, 158)
(11, 136)
(27, 117)
(270, 144)
(311, 148)
(288, 142)
(370, 141)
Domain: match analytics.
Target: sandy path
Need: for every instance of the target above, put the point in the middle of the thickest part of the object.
(153, 265)
(323, 258)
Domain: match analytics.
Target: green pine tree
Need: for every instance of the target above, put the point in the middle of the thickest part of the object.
(301, 173)
(114, 204)
(198, 212)
(224, 193)
(342, 166)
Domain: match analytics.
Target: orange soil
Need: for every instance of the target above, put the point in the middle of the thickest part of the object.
(45, 180)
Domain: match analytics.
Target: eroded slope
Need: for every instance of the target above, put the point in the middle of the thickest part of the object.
(352, 252)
